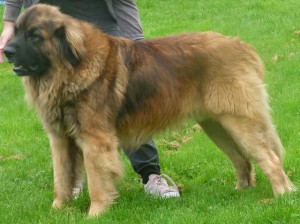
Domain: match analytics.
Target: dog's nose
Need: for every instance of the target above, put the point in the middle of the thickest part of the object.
(9, 52)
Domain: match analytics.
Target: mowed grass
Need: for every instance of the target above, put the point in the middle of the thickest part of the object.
(205, 175)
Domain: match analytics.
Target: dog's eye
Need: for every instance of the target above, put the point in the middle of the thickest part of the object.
(34, 35)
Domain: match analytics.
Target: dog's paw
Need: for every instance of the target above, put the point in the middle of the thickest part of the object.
(96, 209)
(57, 204)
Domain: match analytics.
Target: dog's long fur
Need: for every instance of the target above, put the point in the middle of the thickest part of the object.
(95, 93)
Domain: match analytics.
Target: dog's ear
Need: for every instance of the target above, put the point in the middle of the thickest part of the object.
(71, 44)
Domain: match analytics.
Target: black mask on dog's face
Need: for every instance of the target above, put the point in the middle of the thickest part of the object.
(24, 51)
(42, 42)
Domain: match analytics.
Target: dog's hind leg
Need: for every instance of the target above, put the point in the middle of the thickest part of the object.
(103, 167)
(243, 167)
(252, 136)
(276, 143)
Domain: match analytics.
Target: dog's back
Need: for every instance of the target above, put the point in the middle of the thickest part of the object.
(197, 74)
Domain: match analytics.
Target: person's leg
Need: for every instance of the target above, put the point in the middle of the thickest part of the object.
(145, 160)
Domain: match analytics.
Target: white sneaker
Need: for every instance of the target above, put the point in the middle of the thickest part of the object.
(77, 190)
(158, 186)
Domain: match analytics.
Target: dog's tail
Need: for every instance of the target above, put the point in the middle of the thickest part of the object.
(257, 63)
(261, 68)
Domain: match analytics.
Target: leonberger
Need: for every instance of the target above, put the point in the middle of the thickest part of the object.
(96, 93)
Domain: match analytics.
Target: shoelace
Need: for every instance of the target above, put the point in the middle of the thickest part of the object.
(161, 182)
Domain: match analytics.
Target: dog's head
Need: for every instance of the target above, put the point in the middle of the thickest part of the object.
(44, 38)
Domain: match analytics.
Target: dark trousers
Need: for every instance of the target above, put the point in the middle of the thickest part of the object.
(145, 160)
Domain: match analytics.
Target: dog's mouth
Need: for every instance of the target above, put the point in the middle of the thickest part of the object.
(22, 70)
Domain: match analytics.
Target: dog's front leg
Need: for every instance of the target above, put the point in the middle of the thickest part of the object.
(103, 167)
(62, 167)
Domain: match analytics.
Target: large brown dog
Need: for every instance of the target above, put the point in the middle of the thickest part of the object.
(95, 93)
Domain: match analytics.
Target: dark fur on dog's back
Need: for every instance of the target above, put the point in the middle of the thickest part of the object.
(161, 69)
(98, 92)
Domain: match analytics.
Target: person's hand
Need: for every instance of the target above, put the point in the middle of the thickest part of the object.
(6, 36)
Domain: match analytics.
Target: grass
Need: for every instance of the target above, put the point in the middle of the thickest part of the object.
(205, 175)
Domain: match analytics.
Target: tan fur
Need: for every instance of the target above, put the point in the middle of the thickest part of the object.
(216, 80)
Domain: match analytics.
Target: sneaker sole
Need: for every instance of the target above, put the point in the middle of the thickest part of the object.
(170, 195)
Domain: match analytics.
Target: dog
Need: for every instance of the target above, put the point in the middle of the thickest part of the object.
(95, 93)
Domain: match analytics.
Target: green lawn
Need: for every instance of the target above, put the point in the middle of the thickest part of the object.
(205, 175)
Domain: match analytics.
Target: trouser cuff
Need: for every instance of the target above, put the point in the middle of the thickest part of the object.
(147, 171)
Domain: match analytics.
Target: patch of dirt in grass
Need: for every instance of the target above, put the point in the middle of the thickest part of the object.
(297, 32)
(266, 200)
(179, 139)
(14, 157)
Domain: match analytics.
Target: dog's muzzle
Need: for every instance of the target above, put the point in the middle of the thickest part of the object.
(19, 70)
(9, 53)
